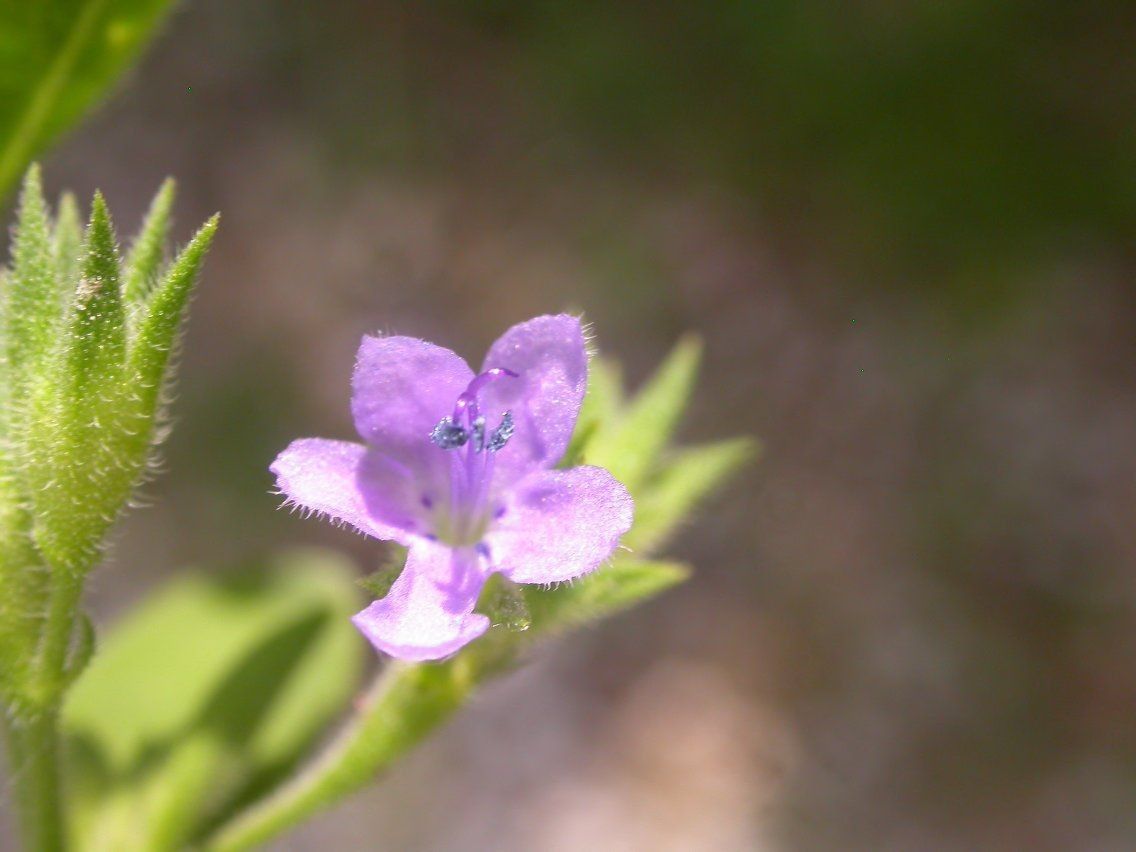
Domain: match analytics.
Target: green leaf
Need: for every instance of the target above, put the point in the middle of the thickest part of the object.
(669, 498)
(56, 60)
(630, 446)
(146, 252)
(205, 695)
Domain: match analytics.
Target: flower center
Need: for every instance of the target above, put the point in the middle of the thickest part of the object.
(467, 425)
(471, 470)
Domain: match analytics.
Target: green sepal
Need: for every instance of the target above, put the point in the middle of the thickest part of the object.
(504, 602)
(67, 246)
(684, 481)
(630, 446)
(78, 478)
(32, 309)
(609, 590)
(156, 328)
(144, 260)
(379, 582)
(602, 403)
(95, 338)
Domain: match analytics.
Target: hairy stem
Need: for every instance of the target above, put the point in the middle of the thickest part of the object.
(33, 757)
(31, 722)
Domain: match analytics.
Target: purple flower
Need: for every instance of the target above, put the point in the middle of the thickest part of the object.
(459, 468)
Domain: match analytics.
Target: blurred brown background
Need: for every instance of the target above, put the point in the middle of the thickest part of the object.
(905, 232)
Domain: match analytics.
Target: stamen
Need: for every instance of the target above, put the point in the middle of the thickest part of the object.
(477, 434)
(449, 435)
(502, 433)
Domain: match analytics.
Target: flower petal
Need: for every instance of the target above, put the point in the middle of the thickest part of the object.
(549, 356)
(324, 476)
(559, 524)
(401, 388)
(428, 613)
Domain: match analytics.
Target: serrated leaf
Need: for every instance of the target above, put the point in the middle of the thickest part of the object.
(143, 263)
(207, 693)
(630, 446)
(676, 490)
(56, 60)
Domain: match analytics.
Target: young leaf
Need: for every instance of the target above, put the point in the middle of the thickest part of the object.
(631, 446)
(669, 498)
(143, 263)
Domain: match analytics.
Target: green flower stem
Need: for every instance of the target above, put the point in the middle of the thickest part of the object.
(405, 704)
(33, 754)
(33, 728)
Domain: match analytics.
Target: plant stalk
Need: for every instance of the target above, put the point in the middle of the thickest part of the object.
(32, 723)
(405, 703)
(33, 758)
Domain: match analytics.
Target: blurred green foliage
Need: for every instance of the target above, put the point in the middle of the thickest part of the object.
(205, 694)
(56, 59)
(957, 147)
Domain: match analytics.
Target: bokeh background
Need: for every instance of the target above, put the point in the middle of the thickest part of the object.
(905, 232)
